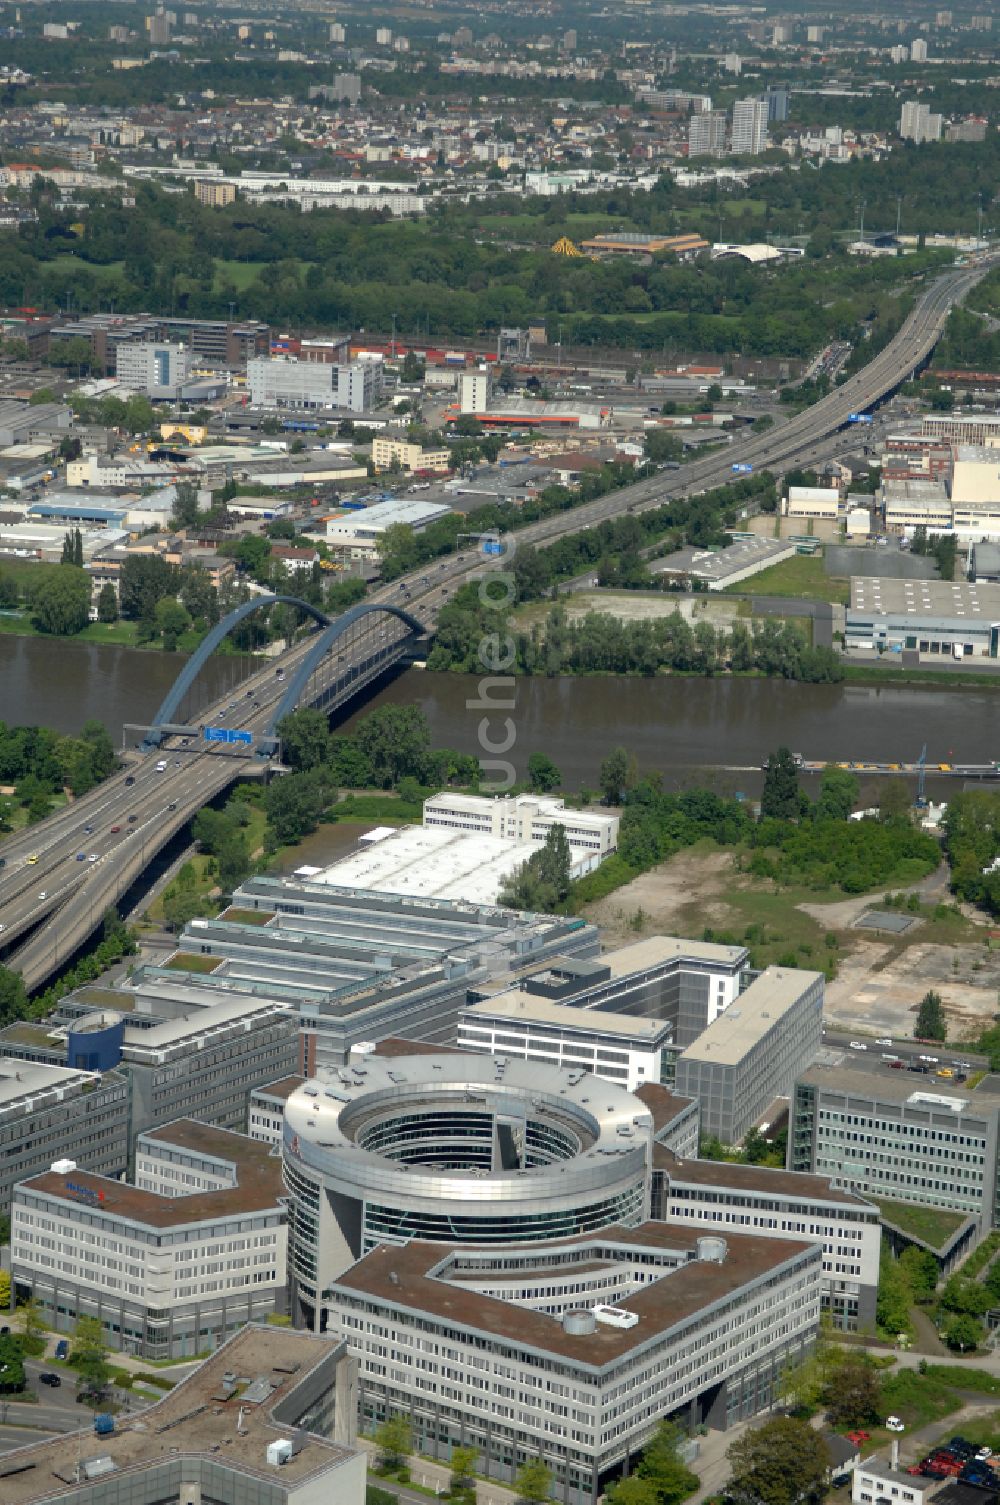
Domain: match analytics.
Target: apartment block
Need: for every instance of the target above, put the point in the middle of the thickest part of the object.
(707, 134)
(574, 1350)
(49, 1111)
(749, 136)
(409, 457)
(170, 1266)
(754, 1051)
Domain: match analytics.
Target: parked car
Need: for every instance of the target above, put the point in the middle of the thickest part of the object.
(50, 1379)
(884, 1041)
(857, 1045)
(894, 1424)
(859, 1437)
(62, 1348)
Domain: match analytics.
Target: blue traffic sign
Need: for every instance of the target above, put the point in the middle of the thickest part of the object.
(741, 468)
(227, 734)
(859, 417)
(492, 546)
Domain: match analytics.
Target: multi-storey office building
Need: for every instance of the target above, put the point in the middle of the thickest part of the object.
(523, 817)
(439, 1146)
(283, 382)
(753, 1052)
(890, 1135)
(268, 1420)
(266, 1113)
(156, 367)
(170, 1266)
(718, 1196)
(626, 1015)
(48, 1112)
(518, 1353)
(358, 965)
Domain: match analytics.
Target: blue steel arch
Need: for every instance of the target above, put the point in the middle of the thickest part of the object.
(321, 645)
(207, 647)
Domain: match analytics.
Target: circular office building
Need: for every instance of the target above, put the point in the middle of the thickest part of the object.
(455, 1148)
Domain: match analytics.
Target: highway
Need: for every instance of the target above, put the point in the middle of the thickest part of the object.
(69, 869)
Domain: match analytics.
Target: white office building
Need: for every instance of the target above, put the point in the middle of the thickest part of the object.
(156, 367)
(749, 127)
(523, 817)
(266, 1113)
(718, 1196)
(283, 382)
(171, 1266)
(574, 1350)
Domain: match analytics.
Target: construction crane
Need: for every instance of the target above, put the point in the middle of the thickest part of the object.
(921, 779)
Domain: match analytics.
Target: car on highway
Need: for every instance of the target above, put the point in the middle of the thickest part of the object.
(130, 781)
(897, 1065)
(32, 859)
(857, 1045)
(81, 856)
(48, 1378)
(132, 819)
(931, 1060)
(88, 830)
(172, 805)
(115, 829)
(92, 857)
(883, 1041)
(44, 894)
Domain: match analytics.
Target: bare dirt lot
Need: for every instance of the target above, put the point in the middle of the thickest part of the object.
(879, 981)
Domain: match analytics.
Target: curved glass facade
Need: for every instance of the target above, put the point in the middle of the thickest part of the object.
(396, 1224)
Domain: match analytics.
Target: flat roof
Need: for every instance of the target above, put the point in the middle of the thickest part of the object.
(881, 597)
(405, 1278)
(195, 1417)
(385, 514)
(258, 1173)
(664, 1105)
(749, 1017)
(22, 1079)
(719, 564)
(516, 1003)
(640, 955)
(279, 1091)
(765, 1180)
(435, 861)
(879, 1082)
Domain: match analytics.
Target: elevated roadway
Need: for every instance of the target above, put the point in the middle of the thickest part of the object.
(68, 870)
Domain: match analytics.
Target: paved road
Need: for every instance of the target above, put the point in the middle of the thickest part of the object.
(123, 824)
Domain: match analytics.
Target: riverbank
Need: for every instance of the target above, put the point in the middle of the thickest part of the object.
(120, 634)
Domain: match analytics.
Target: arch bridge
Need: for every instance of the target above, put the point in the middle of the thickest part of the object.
(346, 653)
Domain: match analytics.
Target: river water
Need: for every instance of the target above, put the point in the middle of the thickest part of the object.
(691, 730)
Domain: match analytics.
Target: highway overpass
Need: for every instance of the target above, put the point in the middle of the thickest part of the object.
(67, 870)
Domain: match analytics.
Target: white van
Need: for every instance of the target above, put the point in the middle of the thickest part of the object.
(161, 766)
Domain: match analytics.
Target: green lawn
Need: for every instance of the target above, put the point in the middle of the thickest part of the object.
(73, 263)
(186, 961)
(242, 273)
(922, 1398)
(802, 576)
(933, 1225)
(121, 634)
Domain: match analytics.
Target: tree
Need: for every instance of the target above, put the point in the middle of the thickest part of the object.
(294, 804)
(892, 1307)
(11, 1364)
(784, 1462)
(89, 1357)
(780, 797)
(543, 882)
(543, 775)
(755, 1147)
(533, 1484)
(662, 1468)
(172, 619)
(394, 1440)
(931, 1023)
(618, 773)
(32, 1327)
(463, 1469)
(660, 445)
(12, 997)
(893, 801)
(963, 1333)
(838, 793)
(185, 510)
(852, 1392)
(920, 1271)
(107, 603)
(144, 579)
(305, 739)
(61, 601)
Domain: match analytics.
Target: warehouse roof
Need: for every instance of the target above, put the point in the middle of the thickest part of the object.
(881, 597)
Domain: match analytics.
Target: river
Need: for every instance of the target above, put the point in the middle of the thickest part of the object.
(690, 730)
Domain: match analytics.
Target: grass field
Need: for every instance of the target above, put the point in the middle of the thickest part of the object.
(803, 576)
(71, 263)
(120, 634)
(933, 1225)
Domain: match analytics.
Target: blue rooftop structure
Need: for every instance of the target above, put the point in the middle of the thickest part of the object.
(77, 512)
